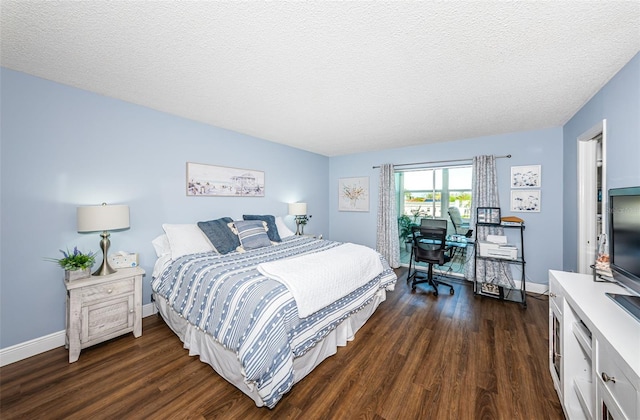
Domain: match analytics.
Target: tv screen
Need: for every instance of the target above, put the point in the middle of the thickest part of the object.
(624, 236)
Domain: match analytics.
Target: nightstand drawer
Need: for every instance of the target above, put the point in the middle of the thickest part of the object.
(106, 290)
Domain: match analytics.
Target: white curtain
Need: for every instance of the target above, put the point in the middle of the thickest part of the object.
(485, 194)
(387, 242)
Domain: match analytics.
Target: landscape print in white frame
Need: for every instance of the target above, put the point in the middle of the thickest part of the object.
(353, 194)
(221, 181)
(525, 200)
(526, 176)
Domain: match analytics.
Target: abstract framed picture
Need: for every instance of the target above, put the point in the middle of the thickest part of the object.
(526, 176)
(525, 200)
(353, 194)
(221, 181)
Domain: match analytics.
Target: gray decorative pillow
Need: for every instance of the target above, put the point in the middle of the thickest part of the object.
(218, 232)
(272, 229)
(252, 233)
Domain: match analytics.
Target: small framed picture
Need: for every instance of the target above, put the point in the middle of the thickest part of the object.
(526, 176)
(525, 200)
(490, 215)
(353, 194)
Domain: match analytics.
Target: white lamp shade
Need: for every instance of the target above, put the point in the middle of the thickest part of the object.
(104, 217)
(297, 209)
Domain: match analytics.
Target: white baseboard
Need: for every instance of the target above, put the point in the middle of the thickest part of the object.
(39, 345)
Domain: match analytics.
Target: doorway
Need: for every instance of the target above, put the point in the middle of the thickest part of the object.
(592, 194)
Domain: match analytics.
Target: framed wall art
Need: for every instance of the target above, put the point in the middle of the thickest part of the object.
(353, 194)
(526, 176)
(221, 181)
(525, 200)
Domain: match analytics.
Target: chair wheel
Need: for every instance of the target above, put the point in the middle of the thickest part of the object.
(451, 292)
(435, 293)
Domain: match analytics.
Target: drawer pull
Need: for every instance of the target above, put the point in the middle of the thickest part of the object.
(109, 290)
(552, 294)
(608, 378)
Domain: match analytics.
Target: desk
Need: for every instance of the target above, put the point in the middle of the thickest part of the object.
(452, 241)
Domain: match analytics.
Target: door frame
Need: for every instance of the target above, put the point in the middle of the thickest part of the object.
(588, 194)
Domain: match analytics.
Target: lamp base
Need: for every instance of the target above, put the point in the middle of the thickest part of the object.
(105, 268)
(299, 226)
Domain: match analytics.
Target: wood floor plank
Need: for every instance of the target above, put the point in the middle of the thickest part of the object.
(419, 356)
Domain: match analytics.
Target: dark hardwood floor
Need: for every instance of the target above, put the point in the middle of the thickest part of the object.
(418, 357)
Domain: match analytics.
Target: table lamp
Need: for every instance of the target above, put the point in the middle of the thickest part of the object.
(299, 210)
(103, 218)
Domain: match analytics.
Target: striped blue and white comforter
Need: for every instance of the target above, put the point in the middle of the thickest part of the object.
(254, 316)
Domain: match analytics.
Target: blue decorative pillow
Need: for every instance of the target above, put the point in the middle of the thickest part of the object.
(219, 234)
(272, 229)
(252, 233)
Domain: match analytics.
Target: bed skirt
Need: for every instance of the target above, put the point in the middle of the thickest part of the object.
(225, 362)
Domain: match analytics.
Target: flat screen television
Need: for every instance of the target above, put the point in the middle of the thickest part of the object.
(624, 245)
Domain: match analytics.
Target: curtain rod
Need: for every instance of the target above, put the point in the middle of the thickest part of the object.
(441, 161)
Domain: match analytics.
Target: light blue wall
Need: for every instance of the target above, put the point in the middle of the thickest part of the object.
(619, 103)
(63, 147)
(543, 233)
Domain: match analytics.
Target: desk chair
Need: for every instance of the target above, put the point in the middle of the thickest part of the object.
(429, 246)
(434, 223)
(458, 225)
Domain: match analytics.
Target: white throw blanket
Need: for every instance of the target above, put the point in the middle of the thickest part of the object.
(316, 280)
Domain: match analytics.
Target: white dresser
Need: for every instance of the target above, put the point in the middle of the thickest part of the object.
(594, 349)
(103, 307)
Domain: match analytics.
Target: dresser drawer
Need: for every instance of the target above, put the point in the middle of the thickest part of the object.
(616, 382)
(556, 296)
(106, 290)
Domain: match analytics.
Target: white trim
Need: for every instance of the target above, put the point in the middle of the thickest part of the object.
(31, 348)
(39, 345)
(587, 195)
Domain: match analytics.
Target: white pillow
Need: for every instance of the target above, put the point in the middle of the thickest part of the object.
(161, 245)
(283, 230)
(186, 239)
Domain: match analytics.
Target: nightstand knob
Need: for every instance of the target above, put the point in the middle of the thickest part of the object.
(109, 290)
(608, 378)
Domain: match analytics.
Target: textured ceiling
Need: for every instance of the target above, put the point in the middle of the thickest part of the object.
(333, 77)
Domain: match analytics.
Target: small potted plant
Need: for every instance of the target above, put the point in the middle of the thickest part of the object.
(76, 264)
(404, 229)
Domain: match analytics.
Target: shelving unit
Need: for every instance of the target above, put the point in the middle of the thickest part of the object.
(490, 216)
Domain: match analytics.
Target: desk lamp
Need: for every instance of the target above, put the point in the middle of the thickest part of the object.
(103, 218)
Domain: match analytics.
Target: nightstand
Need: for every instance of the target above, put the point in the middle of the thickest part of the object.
(100, 308)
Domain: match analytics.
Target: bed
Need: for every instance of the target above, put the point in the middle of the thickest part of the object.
(259, 315)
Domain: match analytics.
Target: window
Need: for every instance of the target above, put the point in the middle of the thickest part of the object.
(428, 193)
(422, 192)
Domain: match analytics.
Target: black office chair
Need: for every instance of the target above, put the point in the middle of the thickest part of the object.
(429, 246)
(458, 225)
